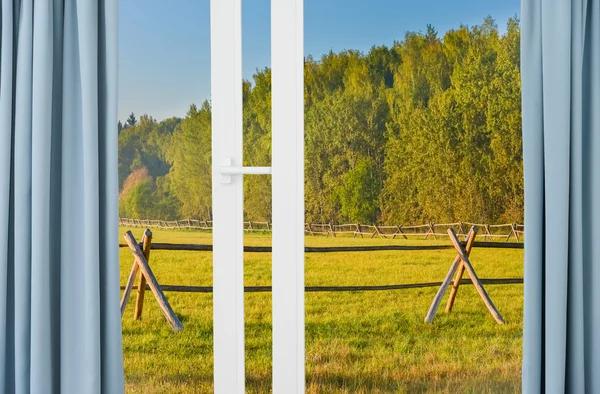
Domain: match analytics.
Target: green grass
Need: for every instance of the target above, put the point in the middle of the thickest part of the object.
(356, 342)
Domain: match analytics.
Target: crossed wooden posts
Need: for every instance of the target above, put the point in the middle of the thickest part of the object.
(140, 263)
(461, 262)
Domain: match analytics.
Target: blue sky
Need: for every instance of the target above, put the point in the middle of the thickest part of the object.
(164, 45)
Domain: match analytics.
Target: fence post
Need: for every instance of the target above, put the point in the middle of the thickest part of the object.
(513, 230)
(487, 232)
(456, 264)
(129, 285)
(139, 302)
(474, 279)
(377, 232)
(153, 283)
(431, 230)
(402, 232)
(310, 229)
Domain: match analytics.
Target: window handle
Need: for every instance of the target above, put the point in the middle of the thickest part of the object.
(227, 170)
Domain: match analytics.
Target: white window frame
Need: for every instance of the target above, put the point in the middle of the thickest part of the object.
(287, 58)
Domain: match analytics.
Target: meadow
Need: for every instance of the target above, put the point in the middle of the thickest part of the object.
(356, 342)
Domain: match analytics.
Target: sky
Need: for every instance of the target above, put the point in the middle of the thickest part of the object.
(164, 45)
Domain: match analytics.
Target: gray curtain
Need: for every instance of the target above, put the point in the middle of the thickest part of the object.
(60, 328)
(560, 66)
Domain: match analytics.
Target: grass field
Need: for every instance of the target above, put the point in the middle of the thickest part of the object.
(356, 342)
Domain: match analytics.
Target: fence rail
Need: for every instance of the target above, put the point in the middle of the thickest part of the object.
(489, 232)
(316, 289)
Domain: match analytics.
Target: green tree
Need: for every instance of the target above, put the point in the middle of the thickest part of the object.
(359, 192)
(131, 120)
(428, 129)
(257, 145)
(136, 199)
(189, 154)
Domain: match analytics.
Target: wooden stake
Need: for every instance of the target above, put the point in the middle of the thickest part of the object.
(139, 302)
(487, 233)
(459, 273)
(378, 232)
(401, 232)
(310, 229)
(513, 230)
(129, 285)
(430, 231)
(467, 264)
(442, 290)
(153, 283)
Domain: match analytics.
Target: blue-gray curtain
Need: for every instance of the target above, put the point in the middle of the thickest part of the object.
(560, 68)
(60, 328)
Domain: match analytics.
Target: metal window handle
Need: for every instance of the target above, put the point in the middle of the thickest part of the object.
(227, 170)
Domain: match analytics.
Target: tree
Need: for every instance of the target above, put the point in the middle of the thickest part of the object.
(189, 154)
(341, 129)
(131, 120)
(145, 145)
(257, 145)
(136, 197)
(428, 129)
(359, 192)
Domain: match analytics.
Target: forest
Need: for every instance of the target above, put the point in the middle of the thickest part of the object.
(428, 129)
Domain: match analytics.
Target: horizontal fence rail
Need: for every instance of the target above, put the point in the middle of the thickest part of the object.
(316, 289)
(489, 232)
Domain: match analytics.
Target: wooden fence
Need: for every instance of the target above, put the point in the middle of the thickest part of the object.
(142, 254)
(363, 248)
(489, 232)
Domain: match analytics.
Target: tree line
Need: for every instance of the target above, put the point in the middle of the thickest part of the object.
(428, 129)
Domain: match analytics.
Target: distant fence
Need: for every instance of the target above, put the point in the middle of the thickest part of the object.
(489, 232)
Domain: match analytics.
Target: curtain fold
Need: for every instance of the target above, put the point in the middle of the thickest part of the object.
(560, 71)
(60, 326)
